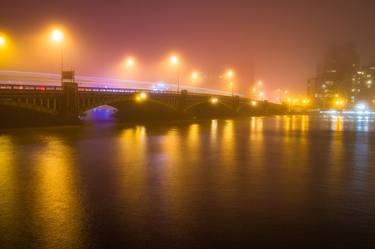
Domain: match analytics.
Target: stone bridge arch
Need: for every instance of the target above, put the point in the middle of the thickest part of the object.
(89, 102)
(208, 100)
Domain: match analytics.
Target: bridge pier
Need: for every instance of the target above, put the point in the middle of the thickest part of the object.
(236, 103)
(182, 101)
(70, 102)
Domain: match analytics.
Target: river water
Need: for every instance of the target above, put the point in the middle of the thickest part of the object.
(260, 182)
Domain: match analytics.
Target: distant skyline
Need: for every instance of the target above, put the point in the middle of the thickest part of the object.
(278, 42)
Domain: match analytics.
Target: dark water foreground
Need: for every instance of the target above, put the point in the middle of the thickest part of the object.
(274, 182)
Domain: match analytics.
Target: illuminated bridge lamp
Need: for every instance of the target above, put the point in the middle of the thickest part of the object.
(141, 97)
(214, 100)
(254, 103)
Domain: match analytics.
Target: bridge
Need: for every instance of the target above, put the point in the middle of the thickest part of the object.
(70, 96)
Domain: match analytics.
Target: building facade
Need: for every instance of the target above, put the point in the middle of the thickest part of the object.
(341, 80)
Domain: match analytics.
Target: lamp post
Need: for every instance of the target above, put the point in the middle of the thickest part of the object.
(174, 61)
(57, 36)
(229, 76)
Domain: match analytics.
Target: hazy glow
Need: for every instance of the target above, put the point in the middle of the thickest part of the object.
(254, 103)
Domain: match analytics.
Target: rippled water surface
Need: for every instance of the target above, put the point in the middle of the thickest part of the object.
(261, 182)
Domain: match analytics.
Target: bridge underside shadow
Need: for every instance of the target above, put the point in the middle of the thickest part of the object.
(148, 110)
(209, 110)
(12, 117)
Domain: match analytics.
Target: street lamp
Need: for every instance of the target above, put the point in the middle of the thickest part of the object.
(57, 36)
(230, 74)
(129, 62)
(174, 61)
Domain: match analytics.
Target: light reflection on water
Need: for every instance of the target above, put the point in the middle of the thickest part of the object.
(57, 201)
(154, 184)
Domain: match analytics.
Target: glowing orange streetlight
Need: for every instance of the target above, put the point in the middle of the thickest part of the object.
(130, 62)
(230, 74)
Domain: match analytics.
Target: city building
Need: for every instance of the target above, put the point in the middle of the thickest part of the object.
(341, 81)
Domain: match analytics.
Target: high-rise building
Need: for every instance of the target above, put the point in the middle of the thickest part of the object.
(363, 88)
(334, 76)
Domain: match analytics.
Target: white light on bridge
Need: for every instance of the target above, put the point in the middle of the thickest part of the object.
(141, 97)
(214, 100)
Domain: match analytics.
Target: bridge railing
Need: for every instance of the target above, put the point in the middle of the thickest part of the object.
(41, 88)
(132, 90)
(46, 88)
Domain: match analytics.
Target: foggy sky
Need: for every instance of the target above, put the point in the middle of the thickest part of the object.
(279, 42)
